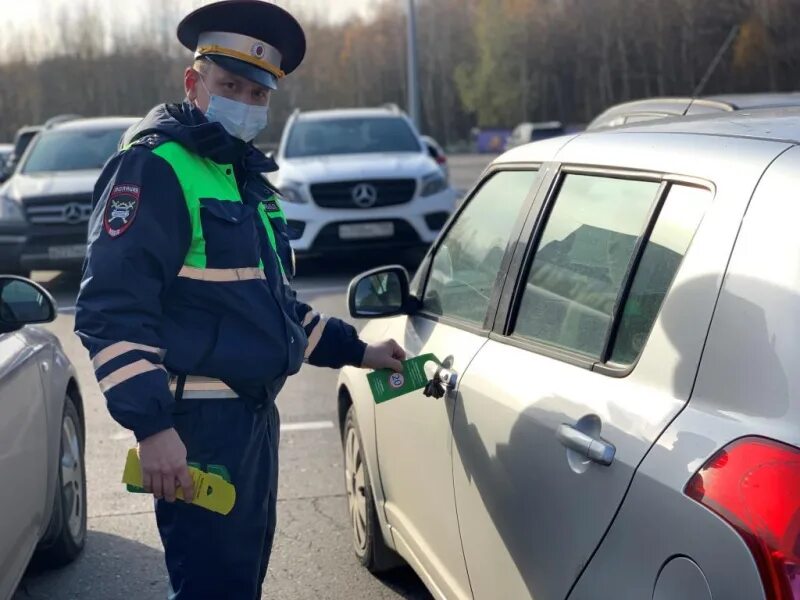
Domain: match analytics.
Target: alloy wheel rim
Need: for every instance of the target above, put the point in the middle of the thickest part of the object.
(72, 477)
(356, 492)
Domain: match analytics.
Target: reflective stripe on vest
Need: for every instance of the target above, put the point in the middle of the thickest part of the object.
(203, 178)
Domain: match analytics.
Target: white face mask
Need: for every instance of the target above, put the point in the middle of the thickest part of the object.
(243, 121)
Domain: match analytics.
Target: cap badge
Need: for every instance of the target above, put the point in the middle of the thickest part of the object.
(258, 50)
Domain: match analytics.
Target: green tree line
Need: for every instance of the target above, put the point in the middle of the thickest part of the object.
(484, 63)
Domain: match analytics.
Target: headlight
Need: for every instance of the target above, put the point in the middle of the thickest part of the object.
(10, 211)
(433, 184)
(291, 193)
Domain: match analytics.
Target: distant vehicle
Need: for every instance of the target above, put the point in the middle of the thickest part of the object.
(651, 109)
(42, 438)
(46, 204)
(5, 155)
(58, 119)
(359, 179)
(525, 133)
(613, 412)
(490, 140)
(22, 140)
(437, 153)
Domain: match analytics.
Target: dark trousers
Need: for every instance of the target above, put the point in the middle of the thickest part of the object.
(213, 556)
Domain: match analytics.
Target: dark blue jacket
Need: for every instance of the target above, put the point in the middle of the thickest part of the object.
(141, 322)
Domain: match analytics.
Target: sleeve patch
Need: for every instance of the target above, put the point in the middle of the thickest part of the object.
(121, 208)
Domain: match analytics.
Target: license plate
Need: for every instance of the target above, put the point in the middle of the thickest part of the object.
(361, 231)
(73, 251)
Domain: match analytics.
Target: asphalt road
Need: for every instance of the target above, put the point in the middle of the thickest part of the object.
(312, 556)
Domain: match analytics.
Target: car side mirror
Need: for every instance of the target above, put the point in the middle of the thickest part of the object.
(23, 302)
(380, 293)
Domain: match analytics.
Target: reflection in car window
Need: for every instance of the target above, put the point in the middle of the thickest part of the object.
(72, 150)
(20, 302)
(467, 262)
(379, 292)
(677, 222)
(583, 257)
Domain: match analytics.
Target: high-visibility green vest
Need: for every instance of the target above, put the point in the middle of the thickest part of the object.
(203, 178)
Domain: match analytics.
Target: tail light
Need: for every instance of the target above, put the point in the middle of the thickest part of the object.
(754, 484)
(441, 159)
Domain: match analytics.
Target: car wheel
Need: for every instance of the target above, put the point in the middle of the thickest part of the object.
(69, 510)
(368, 542)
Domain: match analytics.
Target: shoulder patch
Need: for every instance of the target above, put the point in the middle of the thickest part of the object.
(121, 208)
(150, 141)
(271, 204)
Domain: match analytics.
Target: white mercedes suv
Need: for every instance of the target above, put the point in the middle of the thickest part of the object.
(359, 179)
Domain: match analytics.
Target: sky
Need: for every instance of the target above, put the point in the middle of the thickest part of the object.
(26, 13)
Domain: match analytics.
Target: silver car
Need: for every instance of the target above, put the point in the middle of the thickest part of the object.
(615, 410)
(42, 471)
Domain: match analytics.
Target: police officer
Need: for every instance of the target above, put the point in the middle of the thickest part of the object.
(185, 306)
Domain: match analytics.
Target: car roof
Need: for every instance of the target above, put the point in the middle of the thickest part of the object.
(745, 101)
(96, 123)
(28, 129)
(768, 125)
(680, 105)
(347, 113)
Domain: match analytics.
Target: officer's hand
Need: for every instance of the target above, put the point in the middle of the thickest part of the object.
(386, 355)
(163, 460)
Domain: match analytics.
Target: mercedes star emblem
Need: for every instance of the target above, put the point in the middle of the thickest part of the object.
(72, 213)
(365, 195)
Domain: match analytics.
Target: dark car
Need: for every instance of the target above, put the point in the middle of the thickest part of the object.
(652, 109)
(46, 204)
(22, 140)
(5, 155)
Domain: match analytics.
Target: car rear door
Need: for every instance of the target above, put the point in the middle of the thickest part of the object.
(459, 299)
(23, 455)
(588, 362)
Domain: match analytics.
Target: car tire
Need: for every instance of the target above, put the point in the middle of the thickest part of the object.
(370, 548)
(68, 521)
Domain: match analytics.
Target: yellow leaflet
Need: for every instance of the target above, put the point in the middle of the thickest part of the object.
(211, 491)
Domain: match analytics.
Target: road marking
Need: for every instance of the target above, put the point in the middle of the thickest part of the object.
(321, 290)
(309, 426)
(122, 436)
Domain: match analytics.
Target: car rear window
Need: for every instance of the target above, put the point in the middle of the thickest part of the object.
(325, 137)
(72, 150)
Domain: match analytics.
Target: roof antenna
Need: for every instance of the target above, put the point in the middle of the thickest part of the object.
(714, 64)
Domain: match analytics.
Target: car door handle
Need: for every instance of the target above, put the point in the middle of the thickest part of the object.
(595, 449)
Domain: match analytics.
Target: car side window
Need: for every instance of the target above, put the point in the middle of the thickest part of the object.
(673, 232)
(584, 255)
(467, 262)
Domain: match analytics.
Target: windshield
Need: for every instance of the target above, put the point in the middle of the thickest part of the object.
(72, 150)
(351, 136)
